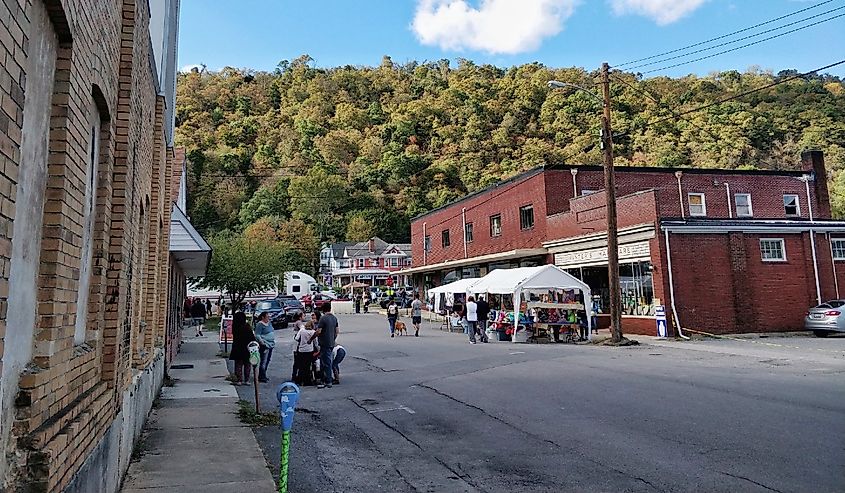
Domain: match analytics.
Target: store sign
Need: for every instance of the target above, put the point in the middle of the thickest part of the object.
(630, 251)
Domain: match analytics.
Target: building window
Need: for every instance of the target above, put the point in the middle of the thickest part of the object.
(743, 205)
(444, 238)
(468, 232)
(374, 262)
(394, 262)
(791, 206)
(526, 217)
(772, 250)
(697, 206)
(427, 243)
(495, 225)
(838, 247)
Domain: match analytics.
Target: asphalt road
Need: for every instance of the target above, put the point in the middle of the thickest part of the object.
(435, 414)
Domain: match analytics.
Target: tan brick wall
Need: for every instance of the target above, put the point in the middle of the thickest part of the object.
(70, 393)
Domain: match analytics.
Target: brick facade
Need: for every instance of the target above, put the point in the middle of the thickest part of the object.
(61, 393)
(721, 284)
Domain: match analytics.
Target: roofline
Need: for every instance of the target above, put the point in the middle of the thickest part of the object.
(765, 226)
(673, 169)
(521, 176)
(619, 169)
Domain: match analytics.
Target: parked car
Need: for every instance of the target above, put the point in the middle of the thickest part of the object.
(276, 309)
(293, 308)
(826, 318)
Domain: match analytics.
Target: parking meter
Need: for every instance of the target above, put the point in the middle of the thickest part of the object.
(254, 353)
(254, 359)
(288, 394)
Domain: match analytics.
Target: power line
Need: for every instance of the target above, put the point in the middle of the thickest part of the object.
(663, 60)
(724, 35)
(657, 100)
(743, 46)
(745, 93)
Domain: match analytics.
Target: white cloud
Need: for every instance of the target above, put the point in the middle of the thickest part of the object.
(494, 26)
(662, 11)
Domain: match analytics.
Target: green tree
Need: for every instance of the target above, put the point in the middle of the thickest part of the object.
(241, 265)
(269, 200)
(359, 228)
(318, 198)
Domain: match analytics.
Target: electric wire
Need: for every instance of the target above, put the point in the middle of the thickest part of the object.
(726, 43)
(743, 94)
(717, 38)
(742, 46)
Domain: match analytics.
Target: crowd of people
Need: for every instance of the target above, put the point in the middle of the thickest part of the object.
(316, 356)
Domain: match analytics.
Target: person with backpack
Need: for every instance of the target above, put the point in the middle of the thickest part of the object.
(198, 314)
(392, 315)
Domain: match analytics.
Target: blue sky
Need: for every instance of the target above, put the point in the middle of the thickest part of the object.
(559, 33)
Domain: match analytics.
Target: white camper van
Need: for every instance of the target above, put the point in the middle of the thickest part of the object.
(298, 284)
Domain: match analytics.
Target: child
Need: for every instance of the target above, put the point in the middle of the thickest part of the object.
(303, 354)
(339, 353)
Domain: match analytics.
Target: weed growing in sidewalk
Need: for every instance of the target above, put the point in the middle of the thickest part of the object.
(248, 416)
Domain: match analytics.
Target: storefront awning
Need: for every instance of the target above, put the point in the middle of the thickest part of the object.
(482, 259)
(191, 252)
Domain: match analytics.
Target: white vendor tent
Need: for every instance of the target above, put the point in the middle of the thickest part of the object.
(449, 290)
(516, 281)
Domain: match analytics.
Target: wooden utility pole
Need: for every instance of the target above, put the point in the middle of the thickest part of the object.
(610, 192)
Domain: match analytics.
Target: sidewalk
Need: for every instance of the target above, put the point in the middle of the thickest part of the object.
(193, 440)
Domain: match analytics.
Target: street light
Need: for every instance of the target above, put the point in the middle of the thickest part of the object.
(610, 194)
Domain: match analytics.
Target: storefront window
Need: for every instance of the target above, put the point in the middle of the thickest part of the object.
(635, 283)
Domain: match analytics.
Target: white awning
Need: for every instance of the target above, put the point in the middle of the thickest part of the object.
(190, 250)
(482, 259)
(449, 291)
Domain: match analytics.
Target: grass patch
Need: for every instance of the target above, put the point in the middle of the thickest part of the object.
(248, 416)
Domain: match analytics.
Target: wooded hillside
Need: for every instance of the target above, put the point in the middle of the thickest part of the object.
(348, 152)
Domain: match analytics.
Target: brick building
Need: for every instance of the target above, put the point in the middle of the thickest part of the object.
(88, 275)
(371, 262)
(739, 241)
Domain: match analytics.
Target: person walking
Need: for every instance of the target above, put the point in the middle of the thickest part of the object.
(392, 315)
(327, 329)
(471, 311)
(366, 302)
(338, 354)
(483, 309)
(241, 337)
(416, 314)
(198, 314)
(266, 341)
(303, 355)
(208, 307)
(357, 303)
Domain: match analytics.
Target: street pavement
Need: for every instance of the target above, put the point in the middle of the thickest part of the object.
(435, 414)
(193, 440)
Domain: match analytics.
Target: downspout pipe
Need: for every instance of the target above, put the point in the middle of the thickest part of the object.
(806, 180)
(678, 175)
(672, 285)
(464, 222)
(425, 247)
(833, 264)
(728, 191)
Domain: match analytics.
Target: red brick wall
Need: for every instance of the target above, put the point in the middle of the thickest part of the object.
(736, 291)
(505, 200)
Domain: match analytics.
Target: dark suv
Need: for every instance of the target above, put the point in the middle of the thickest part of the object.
(276, 309)
(293, 307)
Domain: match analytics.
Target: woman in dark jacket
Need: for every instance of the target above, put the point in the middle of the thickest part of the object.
(241, 336)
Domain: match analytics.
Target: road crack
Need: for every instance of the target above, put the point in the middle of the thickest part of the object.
(750, 481)
(399, 432)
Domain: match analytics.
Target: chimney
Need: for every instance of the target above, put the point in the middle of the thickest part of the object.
(372, 242)
(813, 161)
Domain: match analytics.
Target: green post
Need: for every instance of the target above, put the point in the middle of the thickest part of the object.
(288, 393)
(283, 469)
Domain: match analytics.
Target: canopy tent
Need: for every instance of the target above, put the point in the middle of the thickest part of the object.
(516, 281)
(449, 291)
